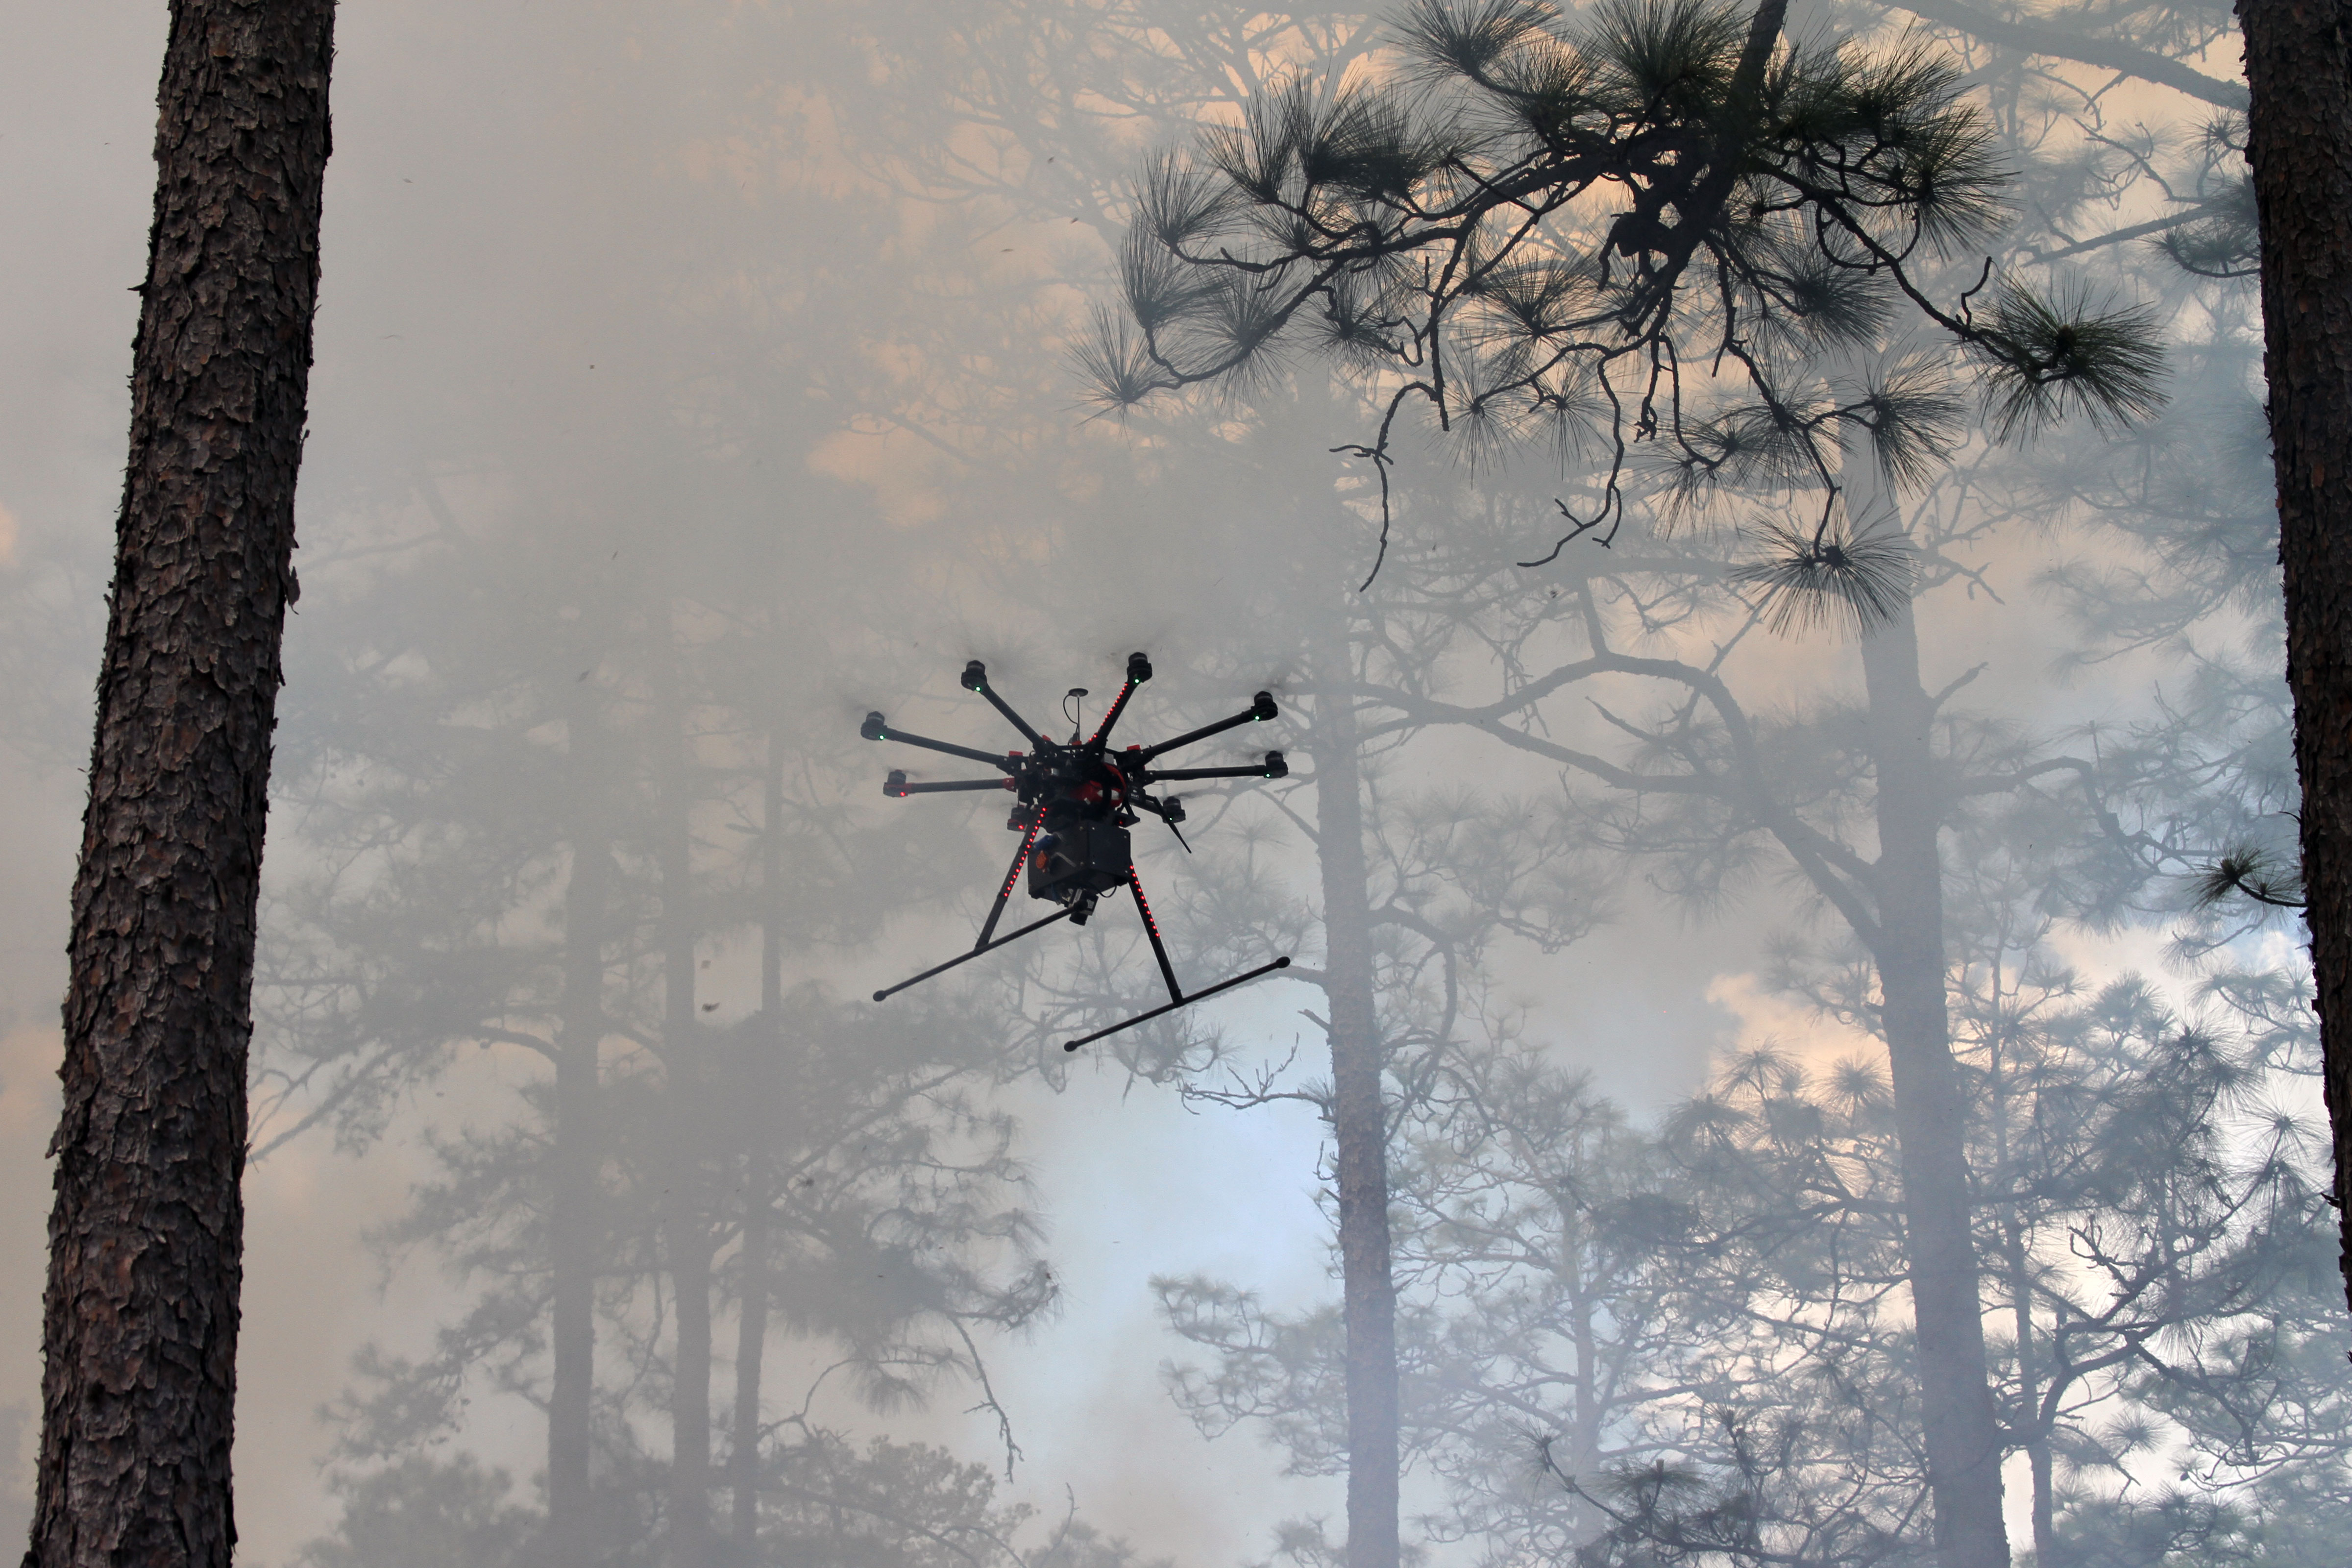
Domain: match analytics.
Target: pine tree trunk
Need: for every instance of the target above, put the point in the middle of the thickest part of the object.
(1589, 1425)
(1360, 1133)
(140, 1318)
(686, 1230)
(1956, 1411)
(573, 1207)
(2033, 1435)
(687, 1243)
(751, 1310)
(751, 1352)
(2299, 141)
(2017, 1265)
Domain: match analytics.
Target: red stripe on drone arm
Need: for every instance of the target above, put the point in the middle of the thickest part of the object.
(1020, 859)
(1110, 714)
(1151, 930)
(1140, 901)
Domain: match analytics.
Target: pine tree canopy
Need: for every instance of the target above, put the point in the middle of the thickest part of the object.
(1542, 228)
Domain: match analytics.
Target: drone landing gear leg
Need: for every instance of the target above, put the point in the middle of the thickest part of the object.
(1005, 889)
(995, 913)
(1168, 972)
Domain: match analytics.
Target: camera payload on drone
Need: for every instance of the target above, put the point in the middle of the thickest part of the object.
(1074, 803)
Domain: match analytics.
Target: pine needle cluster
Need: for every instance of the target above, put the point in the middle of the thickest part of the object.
(1542, 228)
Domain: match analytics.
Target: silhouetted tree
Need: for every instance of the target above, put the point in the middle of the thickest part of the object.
(420, 1513)
(2158, 1248)
(477, 778)
(887, 1505)
(1534, 1304)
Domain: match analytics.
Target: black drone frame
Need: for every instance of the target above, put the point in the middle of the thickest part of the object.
(1052, 784)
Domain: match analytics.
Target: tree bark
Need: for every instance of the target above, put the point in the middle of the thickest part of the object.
(1956, 1411)
(140, 1316)
(2299, 143)
(1360, 1135)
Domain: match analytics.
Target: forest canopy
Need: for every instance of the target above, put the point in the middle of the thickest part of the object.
(1563, 230)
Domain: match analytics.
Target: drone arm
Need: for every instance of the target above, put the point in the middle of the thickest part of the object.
(1274, 767)
(1257, 712)
(1139, 670)
(975, 679)
(1118, 705)
(967, 957)
(875, 729)
(897, 786)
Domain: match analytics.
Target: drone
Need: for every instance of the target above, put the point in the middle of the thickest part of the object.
(1074, 801)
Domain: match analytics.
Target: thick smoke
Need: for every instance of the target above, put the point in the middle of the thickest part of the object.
(693, 379)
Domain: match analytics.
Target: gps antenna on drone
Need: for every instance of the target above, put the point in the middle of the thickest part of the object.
(1074, 801)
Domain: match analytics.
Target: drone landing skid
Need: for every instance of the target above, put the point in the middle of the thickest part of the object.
(1282, 962)
(986, 946)
(1167, 971)
(1159, 951)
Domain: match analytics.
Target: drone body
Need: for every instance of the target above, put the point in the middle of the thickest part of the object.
(1075, 803)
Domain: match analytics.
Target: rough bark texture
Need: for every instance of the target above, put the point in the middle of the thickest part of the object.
(1956, 1410)
(140, 1318)
(2299, 71)
(1360, 1135)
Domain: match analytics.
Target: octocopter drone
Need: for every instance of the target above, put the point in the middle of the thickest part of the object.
(1075, 802)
